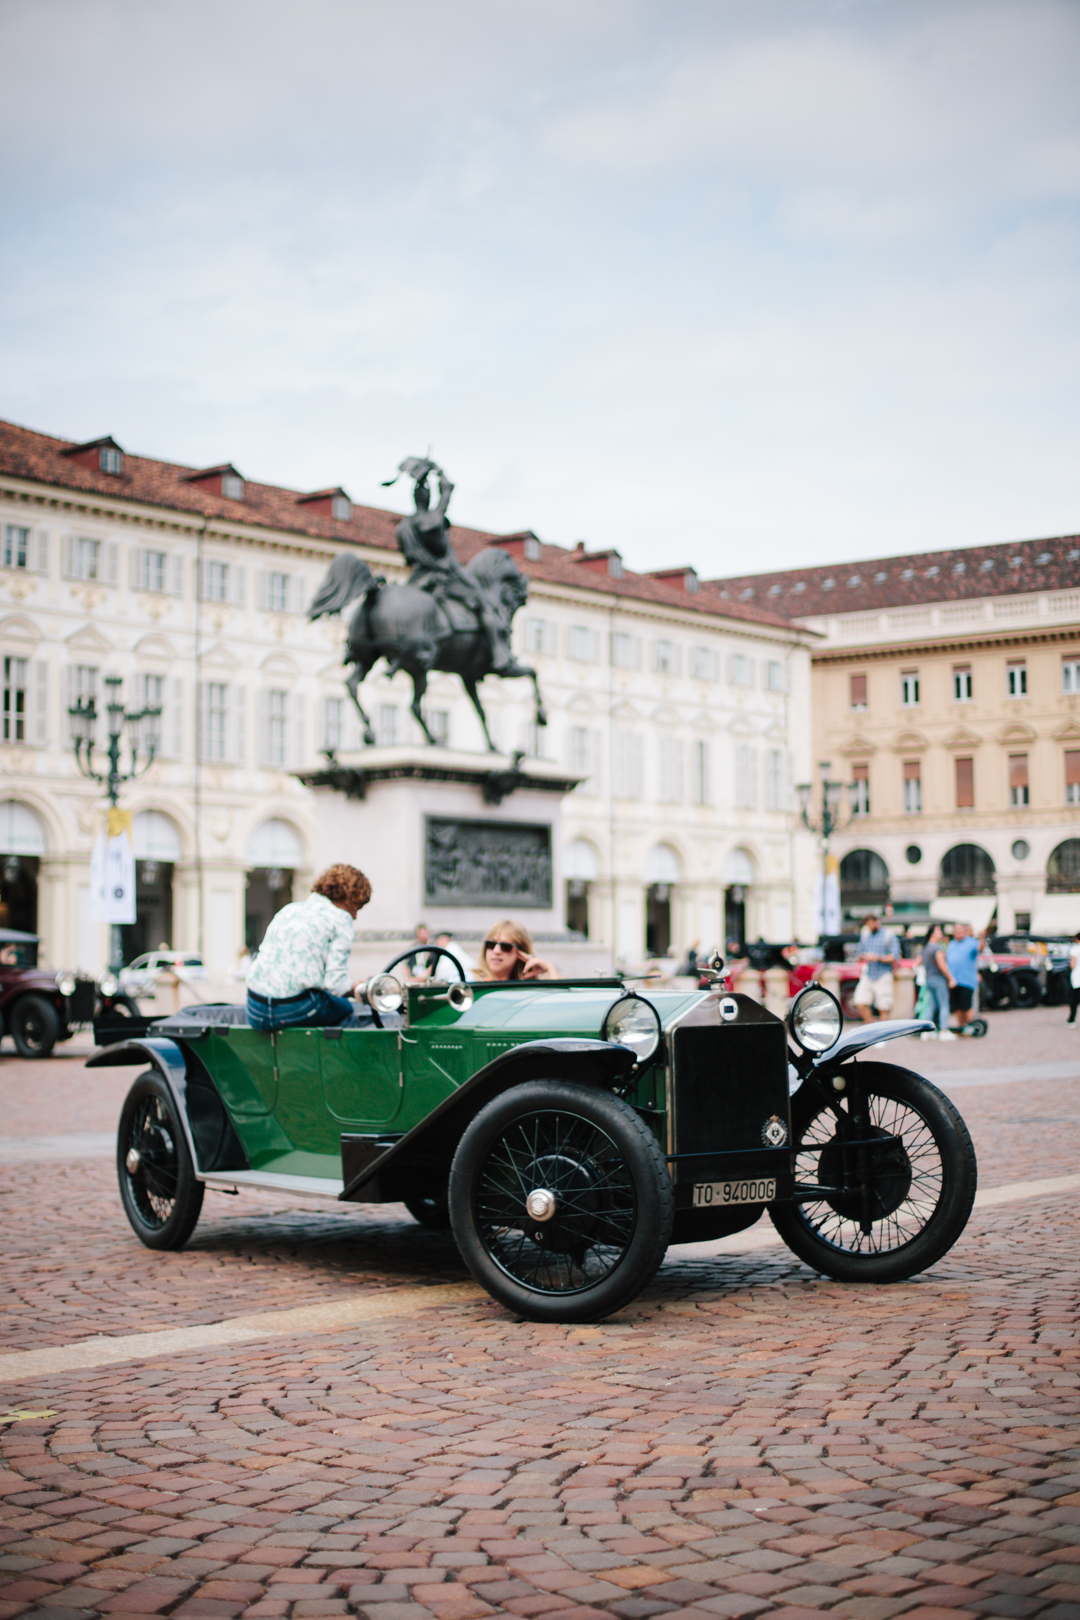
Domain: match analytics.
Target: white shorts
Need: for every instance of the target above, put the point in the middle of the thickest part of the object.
(875, 993)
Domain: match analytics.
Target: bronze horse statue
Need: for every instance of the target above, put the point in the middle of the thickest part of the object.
(417, 630)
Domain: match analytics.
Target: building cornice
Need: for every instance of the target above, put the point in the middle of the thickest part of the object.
(879, 653)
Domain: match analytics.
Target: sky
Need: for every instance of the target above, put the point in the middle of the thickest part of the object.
(732, 283)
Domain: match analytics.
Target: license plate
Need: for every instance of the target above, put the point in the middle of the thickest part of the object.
(716, 1194)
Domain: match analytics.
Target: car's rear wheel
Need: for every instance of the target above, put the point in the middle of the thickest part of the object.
(162, 1197)
(1028, 990)
(560, 1201)
(921, 1179)
(35, 1026)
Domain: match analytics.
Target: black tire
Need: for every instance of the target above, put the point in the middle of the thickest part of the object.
(998, 991)
(161, 1196)
(614, 1204)
(35, 1026)
(977, 1028)
(923, 1190)
(431, 1207)
(1028, 990)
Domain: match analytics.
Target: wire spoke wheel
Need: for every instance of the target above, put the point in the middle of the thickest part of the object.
(161, 1195)
(560, 1200)
(920, 1173)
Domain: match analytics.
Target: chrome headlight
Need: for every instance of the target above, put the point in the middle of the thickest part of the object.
(635, 1023)
(815, 1019)
(383, 993)
(65, 983)
(109, 984)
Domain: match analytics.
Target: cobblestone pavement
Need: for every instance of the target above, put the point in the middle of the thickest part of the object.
(747, 1439)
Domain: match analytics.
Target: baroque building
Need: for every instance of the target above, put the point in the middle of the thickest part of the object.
(946, 691)
(683, 717)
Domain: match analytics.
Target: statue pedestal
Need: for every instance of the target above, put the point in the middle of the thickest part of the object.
(454, 840)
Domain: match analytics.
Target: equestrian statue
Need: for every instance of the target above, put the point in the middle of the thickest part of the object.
(446, 617)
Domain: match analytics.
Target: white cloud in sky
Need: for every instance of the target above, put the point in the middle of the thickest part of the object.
(743, 285)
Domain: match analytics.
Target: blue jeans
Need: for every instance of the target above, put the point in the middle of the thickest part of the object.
(310, 1009)
(938, 991)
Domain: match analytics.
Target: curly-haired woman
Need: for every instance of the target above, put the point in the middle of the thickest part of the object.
(300, 976)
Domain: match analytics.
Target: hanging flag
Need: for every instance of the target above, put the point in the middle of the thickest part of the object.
(112, 871)
(827, 899)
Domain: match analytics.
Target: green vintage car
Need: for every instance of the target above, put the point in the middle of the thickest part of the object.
(567, 1131)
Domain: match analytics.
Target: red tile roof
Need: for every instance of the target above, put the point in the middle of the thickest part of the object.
(41, 459)
(932, 576)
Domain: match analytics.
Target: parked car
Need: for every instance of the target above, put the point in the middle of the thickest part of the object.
(140, 976)
(1010, 975)
(39, 1006)
(567, 1131)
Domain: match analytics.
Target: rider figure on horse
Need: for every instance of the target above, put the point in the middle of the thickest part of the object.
(424, 539)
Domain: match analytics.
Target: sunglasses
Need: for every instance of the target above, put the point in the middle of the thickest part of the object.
(498, 945)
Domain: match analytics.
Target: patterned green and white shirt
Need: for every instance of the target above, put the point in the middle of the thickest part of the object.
(306, 947)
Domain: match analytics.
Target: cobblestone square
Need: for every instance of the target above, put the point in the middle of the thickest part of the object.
(313, 1411)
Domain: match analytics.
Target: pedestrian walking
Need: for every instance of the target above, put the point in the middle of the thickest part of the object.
(878, 950)
(1074, 979)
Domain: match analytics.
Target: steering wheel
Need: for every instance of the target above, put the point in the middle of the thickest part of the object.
(427, 950)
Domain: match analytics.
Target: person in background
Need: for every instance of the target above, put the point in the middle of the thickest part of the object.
(419, 963)
(301, 971)
(1074, 979)
(939, 981)
(878, 950)
(443, 968)
(508, 954)
(962, 960)
(690, 966)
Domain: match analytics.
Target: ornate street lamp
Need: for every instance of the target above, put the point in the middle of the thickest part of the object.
(830, 818)
(83, 714)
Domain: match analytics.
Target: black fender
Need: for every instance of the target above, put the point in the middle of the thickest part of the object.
(432, 1143)
(211, 1137)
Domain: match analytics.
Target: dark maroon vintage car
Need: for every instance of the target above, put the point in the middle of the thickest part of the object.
(40, 1006)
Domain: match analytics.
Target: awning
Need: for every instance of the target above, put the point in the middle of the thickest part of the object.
(975, 909)
(1057, 914)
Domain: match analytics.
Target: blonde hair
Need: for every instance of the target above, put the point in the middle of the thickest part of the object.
(507, 929)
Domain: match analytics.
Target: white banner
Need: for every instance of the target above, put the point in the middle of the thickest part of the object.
(112, 878)
(827, 900)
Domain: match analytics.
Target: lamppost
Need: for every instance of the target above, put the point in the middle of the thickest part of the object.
(830, 819)
(83, 714)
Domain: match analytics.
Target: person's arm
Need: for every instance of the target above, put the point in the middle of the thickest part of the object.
(336, 973)
(943, 968)
(892, 953)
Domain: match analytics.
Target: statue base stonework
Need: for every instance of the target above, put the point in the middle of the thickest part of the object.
(454, 840)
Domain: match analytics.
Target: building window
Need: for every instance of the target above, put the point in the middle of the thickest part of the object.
(1072, 776)
(579, 750)
(860, 790)
(539, 636)
(703, 664)
(625, 650)
(150, 694)
(438, 723)
(277, 725)
(961, 683)
(215, 582)
(86, 558)
(215, 743)
(1016, 680)
(583, 644)
(333, 724)
(965, 784)
(152, 570)
(700, 785)
(745, 777)
(912, 787)
(232, 486)
(740, 670)
(14, 700)
(666, 658)
(909, 687)
(775, 783)
(1070, 675)
(16, 545)
(1018, 781)
(386, 725)
(774, 675)
(341, 508)
(671, 769)
(858, 691)
(277, 593)
(628, 757)
(110, 460)
(533, 549)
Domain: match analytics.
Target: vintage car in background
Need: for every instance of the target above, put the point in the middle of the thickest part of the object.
(567, 1131)
(40, 1006)
(138, 979)
(1011, 974)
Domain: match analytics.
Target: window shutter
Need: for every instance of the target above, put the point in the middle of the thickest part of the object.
(262, 728)
(236, 585)
(38, 727)
(260, 588)
(38, 559)
(174, 575)
(111, 561)
(172, 721)
(200, 580)
(200, 719)
(67, 556)
(135, 567)
(238, 720)
(296, 730)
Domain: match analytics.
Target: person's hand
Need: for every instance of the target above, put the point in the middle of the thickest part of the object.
(532, 967)
(951, 984)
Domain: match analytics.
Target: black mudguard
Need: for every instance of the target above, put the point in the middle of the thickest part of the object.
(211, 1136)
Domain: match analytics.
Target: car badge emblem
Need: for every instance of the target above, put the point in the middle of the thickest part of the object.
(729, 1009)
(774, 1131)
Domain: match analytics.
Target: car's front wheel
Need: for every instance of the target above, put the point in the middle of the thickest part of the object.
(162, 1197)
(560, 1201)
(894, 1201)
(35, 1027)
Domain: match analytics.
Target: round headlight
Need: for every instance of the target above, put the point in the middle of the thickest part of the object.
(65, 983)
(635, 1023)
(109, 985)
(384, 993)
(815, 1019)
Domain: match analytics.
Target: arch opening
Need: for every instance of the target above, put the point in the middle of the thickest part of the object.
(864, 881)
(967, 869)
(1063, 868)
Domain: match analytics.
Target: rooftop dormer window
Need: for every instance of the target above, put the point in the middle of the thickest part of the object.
(232, 486)
(989, 563)
(856, 579)
(533, 549)
(959, 568)
(615, 566)
(880, 576)
(110, 459)
(100, 455)
(691, 583)
(341, 508)
(223, 480)
(827, 584)
(1043, 558)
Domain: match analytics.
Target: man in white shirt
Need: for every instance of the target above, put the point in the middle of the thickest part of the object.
(302, 967)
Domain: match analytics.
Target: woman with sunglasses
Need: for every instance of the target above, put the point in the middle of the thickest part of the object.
(508, 954)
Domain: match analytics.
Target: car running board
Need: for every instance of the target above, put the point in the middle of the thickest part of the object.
(299, 1186)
